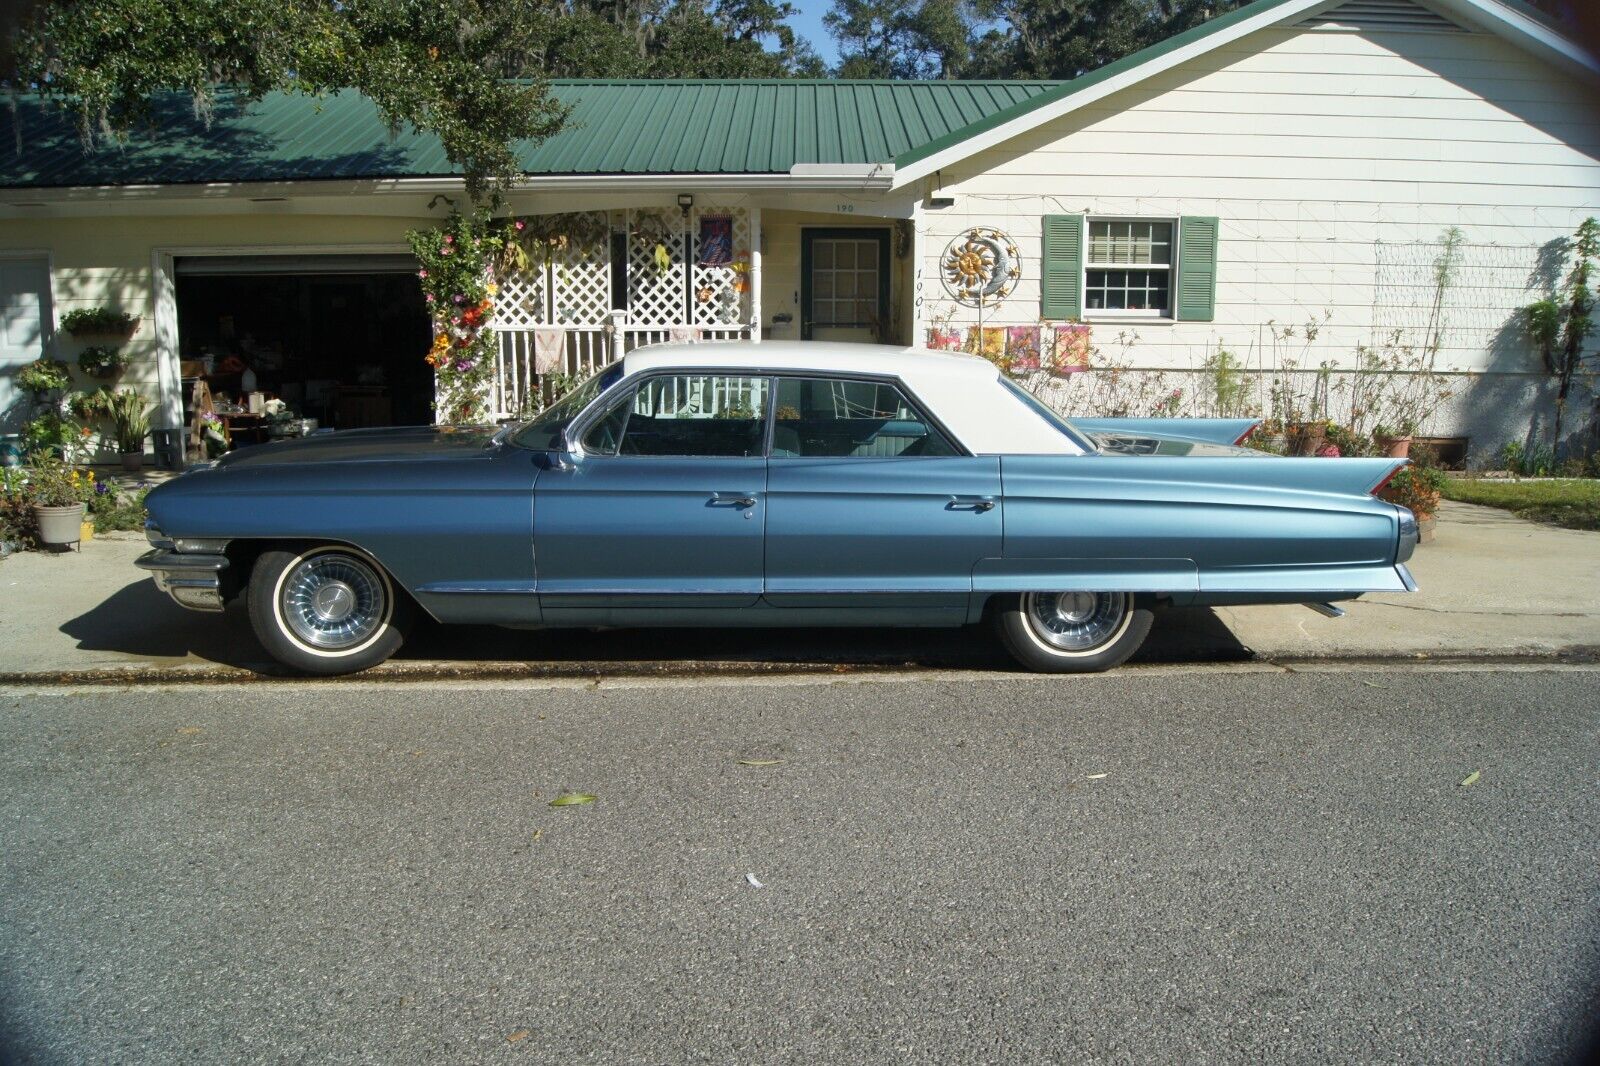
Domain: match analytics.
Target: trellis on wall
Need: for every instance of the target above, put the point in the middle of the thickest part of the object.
(688, 276)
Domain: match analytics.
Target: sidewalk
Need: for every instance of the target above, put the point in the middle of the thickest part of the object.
(1492, 585)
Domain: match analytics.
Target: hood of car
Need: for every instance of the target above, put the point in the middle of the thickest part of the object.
(405, 444)
(1142, 443)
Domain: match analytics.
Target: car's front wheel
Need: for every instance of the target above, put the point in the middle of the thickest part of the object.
(1072, 632)
(326, 610)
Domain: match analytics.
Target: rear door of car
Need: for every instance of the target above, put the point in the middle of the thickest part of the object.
(664, 507)
(870, 503)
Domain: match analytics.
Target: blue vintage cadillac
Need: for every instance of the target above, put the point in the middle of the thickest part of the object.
(773, 484)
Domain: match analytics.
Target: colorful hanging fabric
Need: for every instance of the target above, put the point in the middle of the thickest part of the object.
(1022, 347)
(549, 349)
(944, 340)
(1071, 349)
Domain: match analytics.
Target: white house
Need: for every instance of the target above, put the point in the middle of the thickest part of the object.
(1294, 162)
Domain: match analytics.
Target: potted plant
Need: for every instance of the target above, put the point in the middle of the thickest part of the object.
(1419, 488)
(1306, 437)
(130, 418)
(101, 361)
(58, 493)
(50, 434)
(44, 376)
(1394, 443)
(99, 322)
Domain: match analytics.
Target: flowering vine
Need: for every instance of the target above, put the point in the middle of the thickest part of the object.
(458, 264)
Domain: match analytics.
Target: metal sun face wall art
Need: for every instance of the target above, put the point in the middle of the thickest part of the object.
(981, 266)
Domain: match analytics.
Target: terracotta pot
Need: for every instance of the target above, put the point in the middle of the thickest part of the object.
(1395, 447)
(1305, 440)
(60, 525)
(132, 462)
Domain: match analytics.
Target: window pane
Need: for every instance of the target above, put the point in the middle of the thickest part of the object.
(861, 419)
(1127, 290)
(1134, 242)
(697, 414)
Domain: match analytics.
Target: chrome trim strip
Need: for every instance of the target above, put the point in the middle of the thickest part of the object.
(1406, 578)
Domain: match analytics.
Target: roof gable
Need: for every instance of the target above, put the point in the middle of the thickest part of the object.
(1511, 19)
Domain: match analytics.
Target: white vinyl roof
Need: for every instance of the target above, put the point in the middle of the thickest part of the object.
(964, 392)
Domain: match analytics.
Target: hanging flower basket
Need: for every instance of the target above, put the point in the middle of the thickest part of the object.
(100, 322)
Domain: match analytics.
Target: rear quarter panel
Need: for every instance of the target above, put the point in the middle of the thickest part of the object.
(1270, 528)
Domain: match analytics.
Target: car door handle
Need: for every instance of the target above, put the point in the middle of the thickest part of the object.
(733, 499)
(970, 503)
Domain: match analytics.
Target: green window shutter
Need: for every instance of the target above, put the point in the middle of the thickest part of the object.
(1061, 278)
(1197, 268)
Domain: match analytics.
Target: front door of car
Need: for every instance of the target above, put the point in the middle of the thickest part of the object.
(869, 504)
(664, 507)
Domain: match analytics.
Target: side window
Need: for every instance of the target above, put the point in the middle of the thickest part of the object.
(606, 434)
(686, 414)
(838, 417)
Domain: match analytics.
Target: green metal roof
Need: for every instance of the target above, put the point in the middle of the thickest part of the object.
(616, 127)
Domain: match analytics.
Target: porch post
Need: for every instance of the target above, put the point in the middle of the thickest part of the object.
(755, 274)
(919, 332)
(169, 426)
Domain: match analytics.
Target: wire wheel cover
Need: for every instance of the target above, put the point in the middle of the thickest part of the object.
(333, 602)
(1076, 621)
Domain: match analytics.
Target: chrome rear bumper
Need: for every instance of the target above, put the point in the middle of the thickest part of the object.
(192, 580)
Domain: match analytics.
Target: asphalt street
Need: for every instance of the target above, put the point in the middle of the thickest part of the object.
(1234, 864)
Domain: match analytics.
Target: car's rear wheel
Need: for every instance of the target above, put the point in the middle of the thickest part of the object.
(1072, 632)
(326, 610)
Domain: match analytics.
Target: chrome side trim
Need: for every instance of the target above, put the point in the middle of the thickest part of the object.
(1406, 578)
(1327, 610)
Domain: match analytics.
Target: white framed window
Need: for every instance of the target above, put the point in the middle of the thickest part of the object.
(1128, 268)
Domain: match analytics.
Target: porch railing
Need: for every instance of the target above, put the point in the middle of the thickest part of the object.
(518, 389)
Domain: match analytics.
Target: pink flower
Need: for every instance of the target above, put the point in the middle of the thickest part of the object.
(521, 225)
(1328, 451)
(455, 320)
(449, 239)
(458, 298)
(428, 296)
(447, 250)
(422, 273)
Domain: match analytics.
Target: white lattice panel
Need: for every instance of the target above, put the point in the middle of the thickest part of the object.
(520, 302)
(656, 296)
(581, 281)
(715, 295)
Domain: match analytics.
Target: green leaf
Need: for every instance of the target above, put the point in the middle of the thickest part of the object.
(760, 762)
(1471, 778)
(572, 799)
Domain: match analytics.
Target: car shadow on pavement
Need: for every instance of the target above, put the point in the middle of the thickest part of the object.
(140, 623)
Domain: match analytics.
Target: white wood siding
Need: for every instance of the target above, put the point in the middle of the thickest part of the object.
(1327, 155)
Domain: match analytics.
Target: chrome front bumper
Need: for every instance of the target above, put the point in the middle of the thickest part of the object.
(192, 580)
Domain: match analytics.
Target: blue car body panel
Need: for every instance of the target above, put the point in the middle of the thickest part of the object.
(650, 531)
(880, 532)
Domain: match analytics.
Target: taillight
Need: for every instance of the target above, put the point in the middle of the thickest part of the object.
(1246, 434)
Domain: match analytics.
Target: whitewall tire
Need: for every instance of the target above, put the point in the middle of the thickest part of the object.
(326, 610)
(1072, 632)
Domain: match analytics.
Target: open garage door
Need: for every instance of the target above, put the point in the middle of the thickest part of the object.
(338, 339)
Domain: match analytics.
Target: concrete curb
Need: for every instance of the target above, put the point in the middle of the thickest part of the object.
(402, 672)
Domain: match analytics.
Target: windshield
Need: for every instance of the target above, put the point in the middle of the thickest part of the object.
(544, 432)
(1043, 410)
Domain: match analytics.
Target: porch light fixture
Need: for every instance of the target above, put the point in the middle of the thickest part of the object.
(685, 201)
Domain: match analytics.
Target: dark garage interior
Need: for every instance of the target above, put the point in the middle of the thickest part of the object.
(339, 340)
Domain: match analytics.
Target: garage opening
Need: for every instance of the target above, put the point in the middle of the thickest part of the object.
(289, 344)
